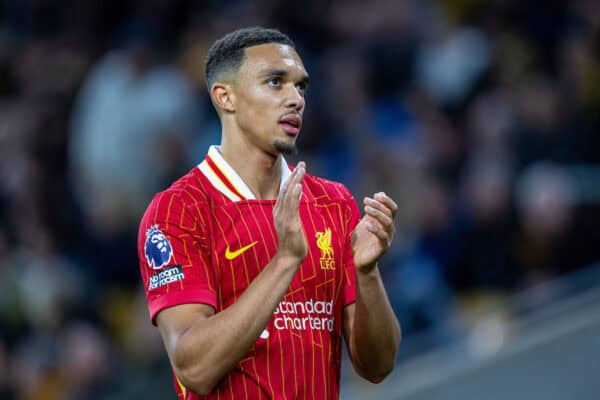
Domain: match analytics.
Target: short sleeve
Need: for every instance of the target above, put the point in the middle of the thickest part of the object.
(352, 217)
(173, 255)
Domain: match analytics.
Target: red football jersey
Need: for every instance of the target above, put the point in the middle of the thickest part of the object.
(206, 238)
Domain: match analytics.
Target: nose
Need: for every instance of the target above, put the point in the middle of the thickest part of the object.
(295, 99)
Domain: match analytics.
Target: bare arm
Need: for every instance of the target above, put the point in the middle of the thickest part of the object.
(204, 346)
(371, 328)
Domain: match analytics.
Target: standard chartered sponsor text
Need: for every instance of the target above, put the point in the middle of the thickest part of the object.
(302, 315)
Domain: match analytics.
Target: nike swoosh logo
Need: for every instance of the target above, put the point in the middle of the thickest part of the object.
(230, 255)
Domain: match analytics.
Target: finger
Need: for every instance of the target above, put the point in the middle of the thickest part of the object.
(294, 201)
(301, 167)
(376, 229)
(283, 191)
(292, 196)
(288, 215)
(385, 220)
(385, 199)
(297, 179)
(378, 205)
(299, 170)
(290, 179)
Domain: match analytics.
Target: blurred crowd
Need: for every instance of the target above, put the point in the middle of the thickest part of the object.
(481, 118)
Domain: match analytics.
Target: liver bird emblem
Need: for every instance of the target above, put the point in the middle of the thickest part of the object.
(324, 243)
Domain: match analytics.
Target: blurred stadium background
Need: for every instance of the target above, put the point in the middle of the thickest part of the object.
(480, 117)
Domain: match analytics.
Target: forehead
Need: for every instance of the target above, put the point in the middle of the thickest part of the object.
(272, 55)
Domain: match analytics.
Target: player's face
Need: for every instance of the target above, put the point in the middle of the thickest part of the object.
(270, 97)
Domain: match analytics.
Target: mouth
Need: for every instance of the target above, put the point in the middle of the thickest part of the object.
(291, 124)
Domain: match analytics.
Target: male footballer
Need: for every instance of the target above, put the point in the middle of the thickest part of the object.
(253, 270)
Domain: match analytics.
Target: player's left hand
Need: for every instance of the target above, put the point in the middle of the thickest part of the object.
(375, 232)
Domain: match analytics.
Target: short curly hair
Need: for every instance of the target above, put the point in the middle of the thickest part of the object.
(227, 53)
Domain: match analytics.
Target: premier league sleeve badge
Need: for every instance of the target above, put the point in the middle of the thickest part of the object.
(158, 249)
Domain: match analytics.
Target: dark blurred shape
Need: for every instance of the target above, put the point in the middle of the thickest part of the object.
(485, 259)
(84, 361)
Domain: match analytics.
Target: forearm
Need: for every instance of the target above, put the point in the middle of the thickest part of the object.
(376, 331)
(210, 347)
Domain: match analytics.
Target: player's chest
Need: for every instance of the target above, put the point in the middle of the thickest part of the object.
(244, 240)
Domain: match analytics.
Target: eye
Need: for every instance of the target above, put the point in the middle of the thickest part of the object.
(274, 82)
(302, 87)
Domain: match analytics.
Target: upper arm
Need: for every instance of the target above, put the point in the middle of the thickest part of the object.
(175, 265)
(352, 218)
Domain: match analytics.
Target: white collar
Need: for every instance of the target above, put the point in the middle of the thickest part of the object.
(224, 178)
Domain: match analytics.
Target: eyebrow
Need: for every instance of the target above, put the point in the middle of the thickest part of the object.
(281, 73)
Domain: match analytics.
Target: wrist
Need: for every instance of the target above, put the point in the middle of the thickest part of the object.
(286, 260)
(368, 269)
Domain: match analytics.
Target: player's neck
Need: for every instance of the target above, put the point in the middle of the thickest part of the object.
(260, 171)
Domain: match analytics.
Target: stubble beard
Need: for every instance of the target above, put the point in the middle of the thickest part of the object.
(285, 148)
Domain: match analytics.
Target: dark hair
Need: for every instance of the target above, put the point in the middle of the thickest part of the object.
(227, 53)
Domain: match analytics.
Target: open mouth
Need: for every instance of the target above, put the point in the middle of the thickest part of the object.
(291, 123)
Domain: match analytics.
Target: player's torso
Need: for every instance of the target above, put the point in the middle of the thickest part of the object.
(244, 240)
(298, 353)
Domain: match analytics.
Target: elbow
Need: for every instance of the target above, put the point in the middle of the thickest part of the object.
(196, 380)
(378, 369)
(202, 388)
(376, 379)
(381, 376)
(377, 376)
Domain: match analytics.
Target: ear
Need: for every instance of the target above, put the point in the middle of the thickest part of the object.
(223, 96)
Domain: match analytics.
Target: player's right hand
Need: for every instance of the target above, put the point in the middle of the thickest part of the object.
(286, 217)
